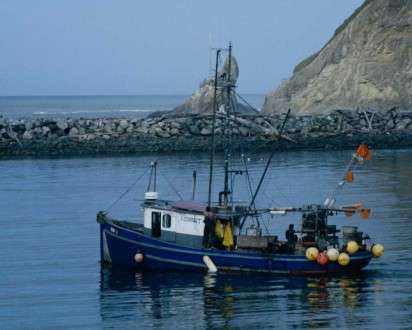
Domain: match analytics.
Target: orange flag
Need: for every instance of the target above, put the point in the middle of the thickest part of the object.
(364, 213)
(364, 151)
(349, 176)
(349, 213)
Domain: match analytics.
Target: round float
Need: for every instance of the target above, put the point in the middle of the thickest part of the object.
(333, 254)
(322, 259)
(138, 257)
(343, 259)
(377, 250)
(352, 247)
(312, 253)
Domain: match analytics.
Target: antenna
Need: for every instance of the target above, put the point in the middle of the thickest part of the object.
(151, 194)
(212, 149)
(210, 54)
(153, 176)
(194, 184)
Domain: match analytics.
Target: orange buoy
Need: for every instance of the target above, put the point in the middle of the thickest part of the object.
(322, 259)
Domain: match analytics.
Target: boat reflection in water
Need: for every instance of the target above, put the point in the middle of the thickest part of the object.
(194, 300)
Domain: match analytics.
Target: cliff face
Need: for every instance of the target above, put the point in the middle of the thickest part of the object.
(367, 64)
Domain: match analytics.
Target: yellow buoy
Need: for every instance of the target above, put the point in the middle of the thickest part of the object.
(377, 250)
(352, 247)
(343, 259)
(333, 254)
(312, 253)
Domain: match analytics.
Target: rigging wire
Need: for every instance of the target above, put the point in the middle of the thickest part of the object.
(278, 190)
(171, 185)
(126, 191)
(247, 103)
(248, 178)
(267, 166)
(265, 225)
(242, 156)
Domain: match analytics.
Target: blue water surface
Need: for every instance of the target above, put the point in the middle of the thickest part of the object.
(51, 278)
(100, 106)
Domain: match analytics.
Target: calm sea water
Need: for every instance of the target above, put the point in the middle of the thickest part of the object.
(96, 106)
(51, 278)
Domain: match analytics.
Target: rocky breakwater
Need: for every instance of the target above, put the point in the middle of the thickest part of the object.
(337, 130)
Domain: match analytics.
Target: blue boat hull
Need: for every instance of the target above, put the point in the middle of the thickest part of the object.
(120, 245)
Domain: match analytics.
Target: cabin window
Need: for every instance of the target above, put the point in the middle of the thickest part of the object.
(166, 221)
(156, 231)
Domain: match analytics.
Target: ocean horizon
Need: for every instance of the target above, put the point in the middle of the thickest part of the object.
(96, 106)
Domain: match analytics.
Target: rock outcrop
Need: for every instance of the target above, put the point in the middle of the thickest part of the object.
(201, 101)
(367, 64)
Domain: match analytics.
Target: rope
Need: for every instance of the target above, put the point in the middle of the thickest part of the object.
(126, 191)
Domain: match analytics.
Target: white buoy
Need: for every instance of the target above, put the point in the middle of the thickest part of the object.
(209, 264)
(138, 257)
(333, 254)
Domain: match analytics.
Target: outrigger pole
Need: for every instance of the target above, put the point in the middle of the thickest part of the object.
(212, 149)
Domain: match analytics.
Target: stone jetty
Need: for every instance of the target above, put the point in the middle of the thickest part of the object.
(191, 132)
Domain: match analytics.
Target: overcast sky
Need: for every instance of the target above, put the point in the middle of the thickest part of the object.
(73, 47)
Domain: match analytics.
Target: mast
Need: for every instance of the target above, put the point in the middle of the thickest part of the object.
(212, 149)
(227, 85)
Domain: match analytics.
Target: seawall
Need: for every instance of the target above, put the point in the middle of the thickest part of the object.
(105, 136)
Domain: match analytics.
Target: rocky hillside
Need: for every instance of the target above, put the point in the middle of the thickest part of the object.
(366, 64)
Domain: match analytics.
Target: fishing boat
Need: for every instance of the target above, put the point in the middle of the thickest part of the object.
(221, 234)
